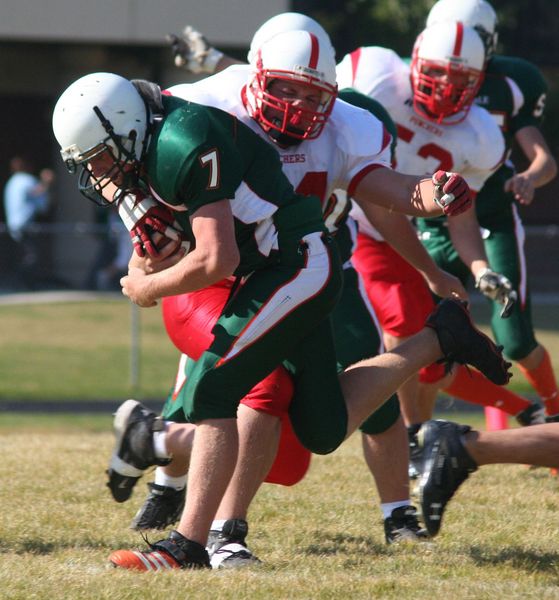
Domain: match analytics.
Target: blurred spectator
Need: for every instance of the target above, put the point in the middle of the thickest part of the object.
(27, 202)
(111, 262)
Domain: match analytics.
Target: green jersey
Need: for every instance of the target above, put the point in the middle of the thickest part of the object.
(198, 155)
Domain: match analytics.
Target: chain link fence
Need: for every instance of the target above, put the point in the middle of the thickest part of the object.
(89, 256)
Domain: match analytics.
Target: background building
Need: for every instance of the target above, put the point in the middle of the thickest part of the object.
(47, 44)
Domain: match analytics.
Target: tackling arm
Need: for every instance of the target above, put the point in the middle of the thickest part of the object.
(446, 193)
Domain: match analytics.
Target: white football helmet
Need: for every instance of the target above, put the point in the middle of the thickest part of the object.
(293, 56)
(99, 112)
(446, 71)
(288, 21)
(478, 14)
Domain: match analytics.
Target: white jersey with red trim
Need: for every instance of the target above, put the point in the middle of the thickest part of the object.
(352, 141)
(474, 148)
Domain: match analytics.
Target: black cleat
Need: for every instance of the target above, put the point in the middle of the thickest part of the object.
(176, 552)
(531, 415)
(446, 466)
(134, 425)
(227, 548)
(463, 343)
(402, 526)
(161, 509)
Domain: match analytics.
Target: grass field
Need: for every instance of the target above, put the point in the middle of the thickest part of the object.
(82, 351)
(321, 539)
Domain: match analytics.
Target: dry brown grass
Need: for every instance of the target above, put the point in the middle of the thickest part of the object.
(321, 539)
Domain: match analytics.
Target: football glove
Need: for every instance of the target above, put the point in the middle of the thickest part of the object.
(193, 52)
(499, 288)
(451, 193)
(144, 217)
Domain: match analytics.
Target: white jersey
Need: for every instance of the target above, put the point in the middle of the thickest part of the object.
(351, 142)
(475, 147)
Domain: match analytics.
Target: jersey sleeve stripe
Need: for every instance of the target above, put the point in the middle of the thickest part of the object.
(359, 176)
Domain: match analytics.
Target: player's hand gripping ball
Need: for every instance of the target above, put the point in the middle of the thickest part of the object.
(153, 228)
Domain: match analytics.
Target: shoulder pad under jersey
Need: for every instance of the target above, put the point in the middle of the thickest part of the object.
(358, 132)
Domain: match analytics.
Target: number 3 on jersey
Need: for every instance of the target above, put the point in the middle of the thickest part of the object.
(429, 150)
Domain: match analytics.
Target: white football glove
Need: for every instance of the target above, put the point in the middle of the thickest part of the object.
(193, 52)
(497, 287)
(143, 217)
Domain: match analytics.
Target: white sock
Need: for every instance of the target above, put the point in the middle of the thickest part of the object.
(159, 445)
(161, 478)
(388, 507)
(217, 524)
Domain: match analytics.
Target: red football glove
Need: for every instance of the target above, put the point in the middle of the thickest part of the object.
(452, 193)
(144, 217)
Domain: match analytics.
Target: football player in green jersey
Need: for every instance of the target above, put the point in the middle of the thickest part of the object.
(514, 92)
(241, 207)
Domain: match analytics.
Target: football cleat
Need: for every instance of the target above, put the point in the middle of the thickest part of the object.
(446, 466)
(161, 509)
(461, 342)
(402, 526)
(533, 414)
(133, 452)
(176, 552)
(227, 548)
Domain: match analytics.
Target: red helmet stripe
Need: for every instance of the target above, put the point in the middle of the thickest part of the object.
(459, 39)
(313, 62)
(355, 56)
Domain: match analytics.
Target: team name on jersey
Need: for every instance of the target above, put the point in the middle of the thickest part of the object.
(294, 158)
(427, 126)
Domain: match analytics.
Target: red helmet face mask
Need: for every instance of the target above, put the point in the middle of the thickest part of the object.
(291, 65)
(446, 71)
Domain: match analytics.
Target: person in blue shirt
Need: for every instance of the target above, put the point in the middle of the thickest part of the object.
(26, 200)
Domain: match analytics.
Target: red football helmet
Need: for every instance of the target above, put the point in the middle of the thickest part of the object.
(446, 71)
(292, 57)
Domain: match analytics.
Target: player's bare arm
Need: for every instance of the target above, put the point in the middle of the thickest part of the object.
(412, 195)
(396, 229)
(215, 257)
(466, 238)
(541, 170)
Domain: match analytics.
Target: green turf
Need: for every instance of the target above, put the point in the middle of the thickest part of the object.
(82, 351)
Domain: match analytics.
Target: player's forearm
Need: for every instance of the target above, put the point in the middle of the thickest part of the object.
(542, 169)
(396, 192)
(195, 271)
(466, 239)
(401, 235)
